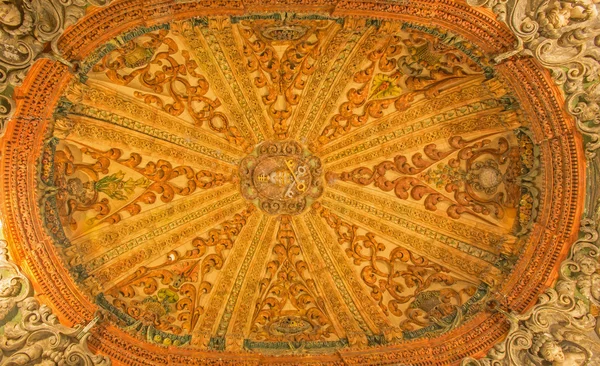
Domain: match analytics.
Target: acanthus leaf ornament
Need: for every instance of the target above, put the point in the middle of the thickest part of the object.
(31, 333)
(14, 286)
(26, 29)
(564, 36)
(559, 329)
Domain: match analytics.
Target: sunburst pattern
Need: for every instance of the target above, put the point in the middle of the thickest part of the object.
(422, 176)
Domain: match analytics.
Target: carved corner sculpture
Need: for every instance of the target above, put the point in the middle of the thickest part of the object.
(564, 36)
(562, 328)
(31, 334)
(329, 182)
(27, 29)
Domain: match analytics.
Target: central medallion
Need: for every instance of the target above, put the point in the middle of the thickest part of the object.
(281, 177)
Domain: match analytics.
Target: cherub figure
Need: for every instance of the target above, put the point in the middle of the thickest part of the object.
(560, 14)
(588, 279)
(547, 351)
(10, 14)
(14, 18)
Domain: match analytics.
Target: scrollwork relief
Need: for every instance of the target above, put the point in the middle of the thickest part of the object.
(401, 281)
(26, 29)
(290, 307)
(403, 69)
(481, 176)
(564, 36)
(559, 330)
(31, 334)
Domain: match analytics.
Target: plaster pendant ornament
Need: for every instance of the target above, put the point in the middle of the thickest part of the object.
(282, 176)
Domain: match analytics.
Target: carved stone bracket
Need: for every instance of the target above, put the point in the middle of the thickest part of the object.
(31, 333)
(28, 30)
(560, 328)
(564, 36)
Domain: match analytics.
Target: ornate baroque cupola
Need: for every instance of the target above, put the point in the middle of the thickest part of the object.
(288, 182)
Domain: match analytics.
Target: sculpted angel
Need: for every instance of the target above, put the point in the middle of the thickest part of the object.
(588, 279)
(548, 351)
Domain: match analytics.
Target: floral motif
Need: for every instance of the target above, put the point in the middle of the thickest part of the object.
(115, 187)
(397, 277)
(290, 306)
(169, 296)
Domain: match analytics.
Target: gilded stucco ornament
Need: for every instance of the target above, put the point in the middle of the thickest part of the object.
(547, 343)
(31, 334)
(564, 36)
(559, 329)
(281, 177)
(14, 286)
(26, 29)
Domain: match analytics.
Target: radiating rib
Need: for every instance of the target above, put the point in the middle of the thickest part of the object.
(365, 312)
(95, 100)
(326, 71)
(236, 265)
(459, 102)
(184, 277)
(112, 264)
(163, 75)
(399, 142)
(211, 58)
(396, 278)
(91, 131)
(470, 239)
(324, 276)
(106, 237)
(473, 269)
(243, 295)
(328, 97)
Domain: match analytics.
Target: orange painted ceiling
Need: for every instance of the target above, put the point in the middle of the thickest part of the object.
(259, 185)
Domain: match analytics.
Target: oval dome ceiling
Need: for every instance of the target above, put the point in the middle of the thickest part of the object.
(271, 186)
